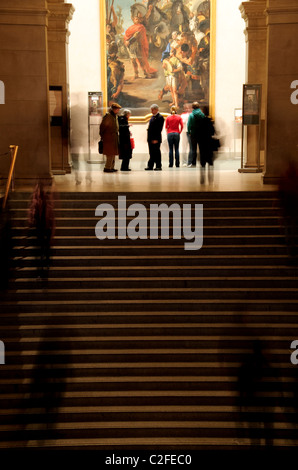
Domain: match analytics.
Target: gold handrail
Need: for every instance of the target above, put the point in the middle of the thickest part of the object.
(13, 156)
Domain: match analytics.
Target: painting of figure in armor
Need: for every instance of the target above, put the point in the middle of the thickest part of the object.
(158, 51)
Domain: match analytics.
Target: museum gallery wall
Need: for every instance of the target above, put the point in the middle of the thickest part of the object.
(153, 26)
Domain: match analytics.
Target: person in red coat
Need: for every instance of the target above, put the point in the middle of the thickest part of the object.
(136, 41)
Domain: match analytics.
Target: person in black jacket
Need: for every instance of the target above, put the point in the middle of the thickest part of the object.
(154, 138)
(125, 150)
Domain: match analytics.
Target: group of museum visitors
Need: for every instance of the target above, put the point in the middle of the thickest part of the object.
(193, 125)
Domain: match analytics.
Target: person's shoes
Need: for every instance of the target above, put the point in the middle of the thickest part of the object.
(113, 170)
(170, 166)
(189, 166)
(107, 170)
(157, 169)
(177, 166)
(149, 169)
(184, 164)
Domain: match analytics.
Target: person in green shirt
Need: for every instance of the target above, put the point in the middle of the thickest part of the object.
(201, 130)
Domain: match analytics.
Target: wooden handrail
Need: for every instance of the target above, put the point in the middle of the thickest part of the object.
(13, 153)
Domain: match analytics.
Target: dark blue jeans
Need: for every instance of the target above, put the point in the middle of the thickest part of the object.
(173, 141)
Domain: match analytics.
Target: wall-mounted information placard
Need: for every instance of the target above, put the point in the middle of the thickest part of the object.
(251, 104)
(251, 116)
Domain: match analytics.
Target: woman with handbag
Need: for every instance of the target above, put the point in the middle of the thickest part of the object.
(125, 140)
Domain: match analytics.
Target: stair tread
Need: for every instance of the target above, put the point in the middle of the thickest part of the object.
(161, 268)
(142, 365)
(144, 313)
(105, 326)
(128, 326)
(139, 351)
(157, 257)
(138, 379)
(148, 408)
(100, 246)
(137, 393)
(92, 227)
(136, 425)
(159, 278)
(132, 443)
(148, 301)
(160, 338)
(160, 289)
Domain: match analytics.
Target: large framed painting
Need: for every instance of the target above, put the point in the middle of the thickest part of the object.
(158, 51)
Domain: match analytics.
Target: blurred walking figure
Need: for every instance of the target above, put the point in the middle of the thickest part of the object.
(185, 143)
(5, 247)
(174, 126)
(42, 221)
(288, 195)
(201, 130)
(252, 376)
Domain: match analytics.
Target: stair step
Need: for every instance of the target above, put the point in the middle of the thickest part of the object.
(137, 394)
(146, 316)
(155, 444)
(20, 225)
(196, 305)
(52, 285)
(165, 294)
(205, 260)
(137, 425)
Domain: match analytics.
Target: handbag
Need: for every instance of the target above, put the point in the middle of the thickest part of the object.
(100, 146)
(132, 143)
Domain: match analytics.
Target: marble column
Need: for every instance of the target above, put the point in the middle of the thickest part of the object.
(24, 118)
(58, 39)
(282, 65)
(253, 13)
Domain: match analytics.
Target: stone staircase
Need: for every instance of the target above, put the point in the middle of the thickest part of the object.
(142, 344)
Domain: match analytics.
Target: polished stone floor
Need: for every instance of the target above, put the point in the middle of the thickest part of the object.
(89, 177)
(225, 177)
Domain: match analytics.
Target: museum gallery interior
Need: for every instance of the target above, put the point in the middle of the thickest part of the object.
(134, 341)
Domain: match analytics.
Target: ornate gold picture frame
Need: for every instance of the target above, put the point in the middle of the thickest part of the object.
(157, 51)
